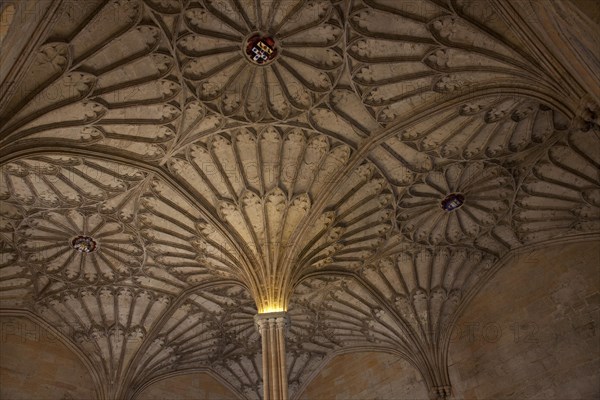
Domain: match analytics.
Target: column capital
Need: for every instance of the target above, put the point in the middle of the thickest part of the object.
(441, 392)
(263, 320)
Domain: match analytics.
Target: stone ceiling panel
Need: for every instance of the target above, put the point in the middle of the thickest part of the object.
(54, 243)
(343, 117)
(306, 62)
(405, 54)
(366, 162)
(398, 304)
(210, 328)
(561, 195)
(486, 128)
(456, 203)
(183, 248)
(48, 203)
(264, 184)
(109, 324)
(16, 286)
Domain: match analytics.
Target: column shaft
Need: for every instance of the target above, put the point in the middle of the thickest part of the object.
(271, 327)
(274, 367)
(265, 365)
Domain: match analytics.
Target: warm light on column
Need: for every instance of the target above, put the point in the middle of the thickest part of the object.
(270, 310)
(271, 305)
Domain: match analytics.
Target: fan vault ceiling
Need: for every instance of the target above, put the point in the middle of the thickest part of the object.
(215, 187)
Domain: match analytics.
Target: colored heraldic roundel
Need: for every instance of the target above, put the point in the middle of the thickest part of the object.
(84, 244)
(261, 50)
(453, 201)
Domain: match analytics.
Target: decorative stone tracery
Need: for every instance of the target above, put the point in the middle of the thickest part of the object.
(366, 174)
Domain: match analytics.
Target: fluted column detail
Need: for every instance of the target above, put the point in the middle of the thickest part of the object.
(271, 327)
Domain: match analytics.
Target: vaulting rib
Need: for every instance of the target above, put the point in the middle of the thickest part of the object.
(263, 182)
(400, 113)
(561, 194)
(404, 304)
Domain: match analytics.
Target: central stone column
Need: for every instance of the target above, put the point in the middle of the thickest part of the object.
(271, 327)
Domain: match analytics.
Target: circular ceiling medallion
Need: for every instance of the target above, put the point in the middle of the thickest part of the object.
(452, 202)
(261, 66)
(84, 244)
(261, 49)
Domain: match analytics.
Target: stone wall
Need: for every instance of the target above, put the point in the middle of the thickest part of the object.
(34, 364)
(366, 376)
(192, 386)
(533, 331)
